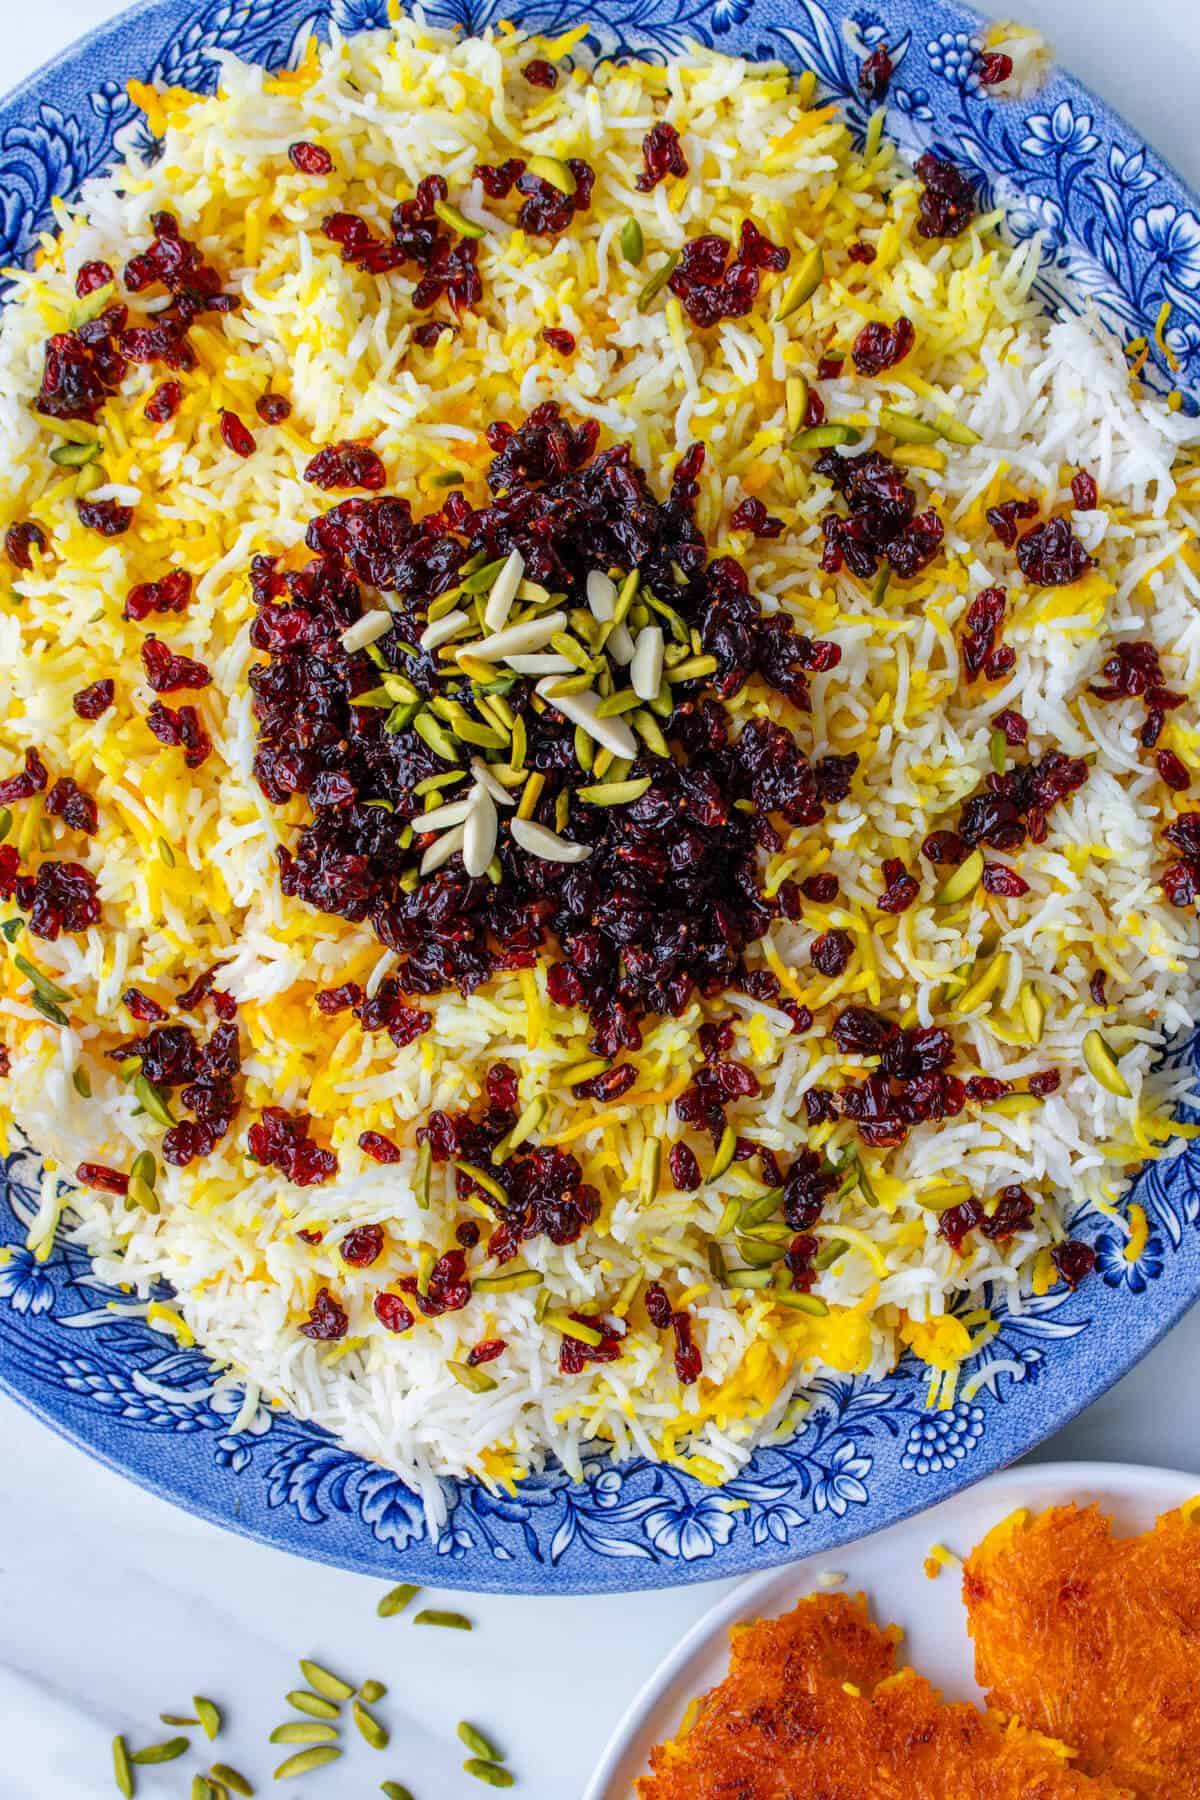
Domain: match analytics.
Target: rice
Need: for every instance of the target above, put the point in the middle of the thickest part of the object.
(1044, 398)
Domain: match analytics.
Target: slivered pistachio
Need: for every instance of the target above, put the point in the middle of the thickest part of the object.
(395, 1790)
(398, 1599)
(907, 429)
(435, 735)
(633, 243)
(530, 796)
(448, 478)
(985, 984)
(477, 1381)
(624, 700)
(203, 1789)
(122, 1773)
(421, 1175)
(760, 1253)
(303, 1731)
(568, 1327)
(725, 1151)
(874, 135)
(553, 170)
(760, 1208)
(614, 793)
(49, 990)
(823, 437)
(305, 1761)
(1009, 1106)
(209, 1715)
(477, 1743)
(810, 272)
(153, 1101)
(728, 1219)
(484, 737)
(74, 456)
(401, 717)
(651, 1169)
(574, 1073)
(370, 1691)
(231, 1778)
(519, 748)
(28, 835)
(490, 1773)
(648, 729)
(675, 625)
(526, 1125)
(1101, 1060)
(955, 432)
(963, 882)
(692, 668)
(508, 1283)
(584, 750)
(141, 1194)
(482, 1179)
(481, 578)
(166, 855)
(829, 1253)
(749, 1278)
(433, 784)
(718, 1268)
(324, 1682)
(177, 1719)
(457, 221)
(998, 750)
(314, 1705)
(562, 810)
(1033, 1011)
(657, 282)
(795, 390)
(168, 1751)
(446, 1621)
(368, 1725)
(805, 1303)
(565, 645)
(81, 1081)
(5, 822)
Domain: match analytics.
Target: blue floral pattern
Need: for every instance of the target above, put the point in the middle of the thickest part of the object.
(1119, 230)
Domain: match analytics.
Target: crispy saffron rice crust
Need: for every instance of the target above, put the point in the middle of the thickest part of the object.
(596, 774)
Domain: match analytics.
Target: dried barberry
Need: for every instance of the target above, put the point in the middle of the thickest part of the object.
(346, 465)
(273, 409)
(900, 888)
(166, 672)
(662, 154)
(540, 73)
(879, 347)
(61, 897)
(995, 66)
(91, 702)
(182, 728)
(1073, 1260)
(560, 340)
(92, 275)
(1084, 491)
(107, 517)
(751, 515)
(830, 952)
(1012, 1212)
(68, 802)
(1005, 518)
(392, 1313)
(310, 159)
(1051, 555)
(875, 74)
(362, 1246)
(20, 540)
(714, 282)
(164, 402)
(280, 1141)
(169, 595)
(236, 435)
(30, 780)
(327, 1320)
(947, 203)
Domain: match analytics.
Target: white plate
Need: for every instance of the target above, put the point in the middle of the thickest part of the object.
(889, 1569)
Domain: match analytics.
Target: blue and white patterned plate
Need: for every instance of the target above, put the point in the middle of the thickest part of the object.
(1119, 227)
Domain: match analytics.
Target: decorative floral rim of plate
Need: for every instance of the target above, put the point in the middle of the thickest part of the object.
(1120, 229)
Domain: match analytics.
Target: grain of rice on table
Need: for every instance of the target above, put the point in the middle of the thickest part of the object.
(1041, 400)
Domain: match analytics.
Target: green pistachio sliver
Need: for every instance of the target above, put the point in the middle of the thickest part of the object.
(169, 1751)
(140, 1194)
(209, 1715)
(633, 243)
(725, 1151)
(480, 580)
(315, 1705)
(823, 437)
(825, 1258)
(457, 221)
(5, 822)
(657, 282)
(760, 1253)
(401, 717)
(1033, 1010)
(398, 1599)
(203, 1789)
(177, 1719)
(166, 855)
(305, 1761)
(508, 1283)
(997, 750)
(759, 1209)
(569, 1327)
(482, 1179)
(748, 1278)
(325, 1682)
(49, 990)
(906, 428)
(369, 1727)
(692, 668)
(575, 1073)
(1101, 1060)
(490, 1773)
(477, 1743)
(553, 170)
(122, 1773)
(624, 700)
(955, 432)
(153, 1101)
(448, 478)
(718, 1268)
(648, 729)
(804, 283)
(1010, 1106)
(432, 733)
(476, 1381)
(614, 793)
(303, 1731)
(11, 930)
(395, 1790)
(651, 1169)
(421, 1176)
(231, 1778)
(447, 1621)
(81, 1081)
(962, 883)
(48, 1010)
(805, 1303)
(144, 1167)
(524, 1128)
(74, 456)
(795, 390)
(370, 1691)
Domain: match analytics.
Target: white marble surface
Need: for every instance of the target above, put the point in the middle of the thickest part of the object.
(114, 1605)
